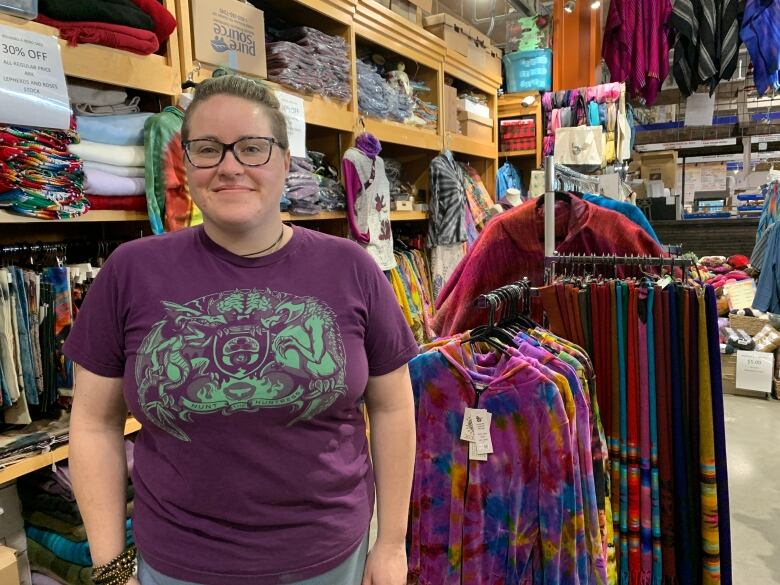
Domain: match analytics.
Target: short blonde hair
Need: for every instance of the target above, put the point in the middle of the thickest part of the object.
(245, 88)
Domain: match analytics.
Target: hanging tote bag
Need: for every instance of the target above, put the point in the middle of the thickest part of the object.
(581, 148)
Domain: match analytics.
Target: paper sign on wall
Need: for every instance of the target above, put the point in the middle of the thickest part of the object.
(699, 109)
(32, 80)
(292, 108)
(754, 370)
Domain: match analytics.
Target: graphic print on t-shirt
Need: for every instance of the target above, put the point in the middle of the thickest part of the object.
(240, 351)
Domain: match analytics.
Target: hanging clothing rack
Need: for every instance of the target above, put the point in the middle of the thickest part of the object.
(619, 260)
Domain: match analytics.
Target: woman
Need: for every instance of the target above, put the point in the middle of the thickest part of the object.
(246, 348)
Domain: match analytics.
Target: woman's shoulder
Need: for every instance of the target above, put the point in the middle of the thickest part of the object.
(337, 246)
(151, 250)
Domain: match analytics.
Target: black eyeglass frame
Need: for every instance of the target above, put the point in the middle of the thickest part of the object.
(232, 148)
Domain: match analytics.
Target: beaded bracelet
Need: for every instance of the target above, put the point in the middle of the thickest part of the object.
(117, 571)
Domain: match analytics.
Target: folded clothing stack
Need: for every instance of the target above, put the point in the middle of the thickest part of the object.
(310, 61)
(332, 195)
(39, 177)
(111, 135)
(138, 26)
(56, 538)
(91, 98)
(301, 188)
(379, 99)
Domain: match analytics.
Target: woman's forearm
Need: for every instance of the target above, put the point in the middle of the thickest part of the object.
(392, 448)
(98, 466)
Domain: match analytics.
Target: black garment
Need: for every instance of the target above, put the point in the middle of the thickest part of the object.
(446, 180)
(707, 44)
(123, 12)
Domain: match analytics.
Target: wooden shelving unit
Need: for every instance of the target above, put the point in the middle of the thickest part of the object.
(511, 106)
(403, 134)
(36, 462)
(516, 153)
(153, 73)
(90, 216)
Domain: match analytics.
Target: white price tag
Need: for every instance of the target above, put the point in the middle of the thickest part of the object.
(474, 455)
(467, 431)
(32, 79)
(484, 442)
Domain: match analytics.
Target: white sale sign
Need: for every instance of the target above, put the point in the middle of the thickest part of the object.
(33, 91)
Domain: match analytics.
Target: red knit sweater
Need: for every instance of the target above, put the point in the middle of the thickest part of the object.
(512, 247)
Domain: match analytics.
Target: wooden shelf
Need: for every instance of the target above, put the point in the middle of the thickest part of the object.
(403, 134)
(90, 216)
(518, 153)
(336, 215)
(466, 145)
(382, 26)
(154, 73)
(36, 462)
(408, 215)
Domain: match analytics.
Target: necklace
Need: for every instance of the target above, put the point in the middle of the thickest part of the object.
(279, 239)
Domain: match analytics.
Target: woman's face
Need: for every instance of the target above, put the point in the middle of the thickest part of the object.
(233, 196)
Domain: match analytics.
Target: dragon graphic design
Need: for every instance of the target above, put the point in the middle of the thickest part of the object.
(240, 351)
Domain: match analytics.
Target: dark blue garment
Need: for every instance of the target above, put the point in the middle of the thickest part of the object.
(681, 479)
(761, 34)
(721, 466)
(768, 291)
(23, 328)
(4, 390)
(508, 178)
(628, 210)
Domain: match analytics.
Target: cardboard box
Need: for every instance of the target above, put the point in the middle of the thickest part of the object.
(661, 166)
(229, 33)
(426, 5)
(405, 8)
(451, 123)
(454, 32)
(483, 55)
(467, 105)
(11, 521)
(476, 127)
(9, 568)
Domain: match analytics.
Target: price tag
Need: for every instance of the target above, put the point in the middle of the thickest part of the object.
(33, 80)
(482, 419)
(475, 455)
(665, 281)
(467, 431)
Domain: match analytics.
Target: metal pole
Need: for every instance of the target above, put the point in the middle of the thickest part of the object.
(549, 206)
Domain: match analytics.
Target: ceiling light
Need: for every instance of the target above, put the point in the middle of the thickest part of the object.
(570, 5)
(595, 5)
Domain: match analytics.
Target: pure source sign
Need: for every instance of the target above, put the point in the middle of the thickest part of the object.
(229, 33)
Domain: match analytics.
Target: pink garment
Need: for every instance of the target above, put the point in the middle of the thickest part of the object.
(636, 45)
(97, 182)
(352, 188)
(604, 93)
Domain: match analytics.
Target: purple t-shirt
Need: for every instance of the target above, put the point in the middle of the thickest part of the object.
(248, 375)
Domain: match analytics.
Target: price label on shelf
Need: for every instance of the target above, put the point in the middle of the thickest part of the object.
(32, 80)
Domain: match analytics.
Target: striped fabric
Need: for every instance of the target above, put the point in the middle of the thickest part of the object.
(448, 197)
(706, 49)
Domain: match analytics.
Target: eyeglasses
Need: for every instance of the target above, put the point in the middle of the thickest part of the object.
(253, 151)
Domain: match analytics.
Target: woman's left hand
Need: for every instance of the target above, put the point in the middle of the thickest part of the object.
(386, 565)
